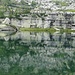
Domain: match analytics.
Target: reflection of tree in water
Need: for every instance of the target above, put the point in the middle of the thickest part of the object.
(14, 46)
(68, 41)
(51, 37)
(60, 38)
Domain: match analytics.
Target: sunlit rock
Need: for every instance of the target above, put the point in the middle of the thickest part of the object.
(6, 21)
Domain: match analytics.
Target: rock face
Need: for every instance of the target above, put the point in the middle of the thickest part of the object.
(6, 21)
(5, 26)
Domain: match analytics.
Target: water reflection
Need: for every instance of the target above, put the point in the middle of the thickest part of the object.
(6, 33)
(33, 53)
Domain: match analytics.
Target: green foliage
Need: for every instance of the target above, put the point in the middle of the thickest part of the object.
(5, 2)
(69, 10)
(9, 6)
(1, 14)
(62, 3)
(33, 4)
(27, 11)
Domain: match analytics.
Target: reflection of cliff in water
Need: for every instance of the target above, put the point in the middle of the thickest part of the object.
(37, 54)
(6, 33)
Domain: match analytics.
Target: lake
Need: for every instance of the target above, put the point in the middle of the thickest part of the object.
(37, 53)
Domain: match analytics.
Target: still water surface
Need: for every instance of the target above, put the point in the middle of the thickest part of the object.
(37, 53)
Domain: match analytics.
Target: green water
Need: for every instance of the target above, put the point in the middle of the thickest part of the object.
(32, 53)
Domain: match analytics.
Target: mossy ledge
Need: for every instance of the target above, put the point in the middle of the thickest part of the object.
(52, 30)
(67, 30)
(38, 29)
